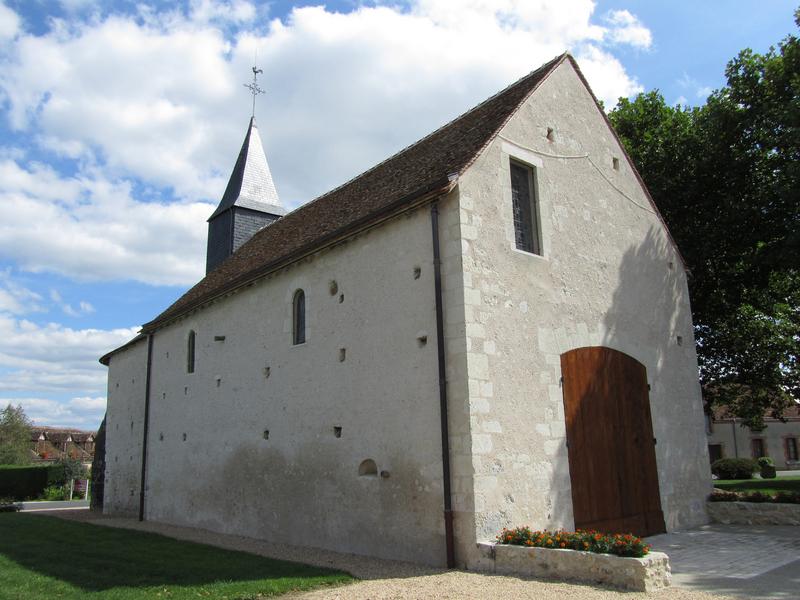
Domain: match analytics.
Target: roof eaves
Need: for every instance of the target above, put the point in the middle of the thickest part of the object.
(430, 192)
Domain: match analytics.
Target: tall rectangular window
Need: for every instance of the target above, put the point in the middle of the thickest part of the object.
(758, 447)
(791, 448)
(523, 198)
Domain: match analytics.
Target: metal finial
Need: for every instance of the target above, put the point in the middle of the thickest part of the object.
(253, 87)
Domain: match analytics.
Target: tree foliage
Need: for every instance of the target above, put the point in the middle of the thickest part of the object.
(726, 177)
(15, 435)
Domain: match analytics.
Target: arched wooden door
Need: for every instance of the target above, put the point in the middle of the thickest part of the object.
(612, 460)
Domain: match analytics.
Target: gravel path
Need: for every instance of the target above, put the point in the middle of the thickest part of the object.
(387, 579)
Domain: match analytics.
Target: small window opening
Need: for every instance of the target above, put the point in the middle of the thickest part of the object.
(266, 434)
(341, 298)
(526, 226)
(550, 134)
(190, 352)
(219, 338)
(299, 318)
(417, 272)
(160, 437)
(368, 468)
(185, 390)
(615, 163)
(337, 431)
(791, 448)
(184, 437)
(333, 287)
(267, 372)
(342, 354)
(679, 339)
(422, 340)
(163, 395)
(670, 265)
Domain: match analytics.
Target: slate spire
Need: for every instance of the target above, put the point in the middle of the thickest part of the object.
(250, 202)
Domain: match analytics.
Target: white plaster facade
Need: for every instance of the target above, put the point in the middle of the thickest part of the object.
(779, 440)
(608, 276)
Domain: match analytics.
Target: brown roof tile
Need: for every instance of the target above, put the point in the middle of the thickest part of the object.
(426, 167)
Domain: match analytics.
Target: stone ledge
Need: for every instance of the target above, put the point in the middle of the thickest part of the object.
(647, 574)
(754, 513)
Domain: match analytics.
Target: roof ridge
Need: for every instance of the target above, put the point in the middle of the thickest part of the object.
(414, 171)
(549, 64)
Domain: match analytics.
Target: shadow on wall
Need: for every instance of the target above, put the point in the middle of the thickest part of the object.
(643, 318)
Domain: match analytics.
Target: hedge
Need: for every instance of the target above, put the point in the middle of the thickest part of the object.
(23, 482)
(734, 468)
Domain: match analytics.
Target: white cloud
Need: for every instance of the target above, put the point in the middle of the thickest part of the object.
(81, 412)
(15, 298)
(9, 23)
(161, 98)
(90, 228)
(627, 29)
(54, 358)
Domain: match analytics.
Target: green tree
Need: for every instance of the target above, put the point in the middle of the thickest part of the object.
(726, 177)
(15, 436)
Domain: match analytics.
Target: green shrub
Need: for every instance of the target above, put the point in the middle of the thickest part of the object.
(766, 461)
(21, 483)
(54, 492)
(734, 468)
(7, 505)
(780, 498)
(587, 541)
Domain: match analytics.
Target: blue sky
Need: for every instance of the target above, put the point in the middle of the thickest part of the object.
(121, 121)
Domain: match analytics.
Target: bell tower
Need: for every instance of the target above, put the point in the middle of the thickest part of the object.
(250, 201)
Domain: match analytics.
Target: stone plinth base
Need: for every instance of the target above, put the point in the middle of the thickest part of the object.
(754, 513)
(646, 574)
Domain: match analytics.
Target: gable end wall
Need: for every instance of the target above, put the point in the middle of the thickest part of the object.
(609, 276)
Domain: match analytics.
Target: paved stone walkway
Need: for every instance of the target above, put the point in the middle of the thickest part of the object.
(747, 561)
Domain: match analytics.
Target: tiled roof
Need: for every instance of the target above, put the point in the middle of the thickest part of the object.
(250, 184)
(429, 166)
(722, 413)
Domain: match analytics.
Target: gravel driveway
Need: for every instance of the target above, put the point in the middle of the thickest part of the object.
(386, 579)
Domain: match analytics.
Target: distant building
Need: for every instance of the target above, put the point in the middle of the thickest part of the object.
(780, 439)
(57, 443)
(490, 328)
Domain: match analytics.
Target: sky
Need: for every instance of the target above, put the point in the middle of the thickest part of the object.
(121, 121)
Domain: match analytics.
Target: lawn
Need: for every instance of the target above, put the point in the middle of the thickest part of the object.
(766, 486)
(45, 557)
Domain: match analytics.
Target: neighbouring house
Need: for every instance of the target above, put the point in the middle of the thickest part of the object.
(58, 443)
(779, 440)
(490, 328)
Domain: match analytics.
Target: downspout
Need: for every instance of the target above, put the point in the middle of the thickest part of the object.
(146, 422)
(437, 278)
(735, 446)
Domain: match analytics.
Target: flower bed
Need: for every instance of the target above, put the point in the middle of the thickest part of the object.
(754, 508)
(588, 541)
(619, 560)
(780, 498)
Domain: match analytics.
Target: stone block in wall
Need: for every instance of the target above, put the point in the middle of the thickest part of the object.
(754, 513)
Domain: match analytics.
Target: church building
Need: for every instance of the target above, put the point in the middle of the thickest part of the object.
(489, 329)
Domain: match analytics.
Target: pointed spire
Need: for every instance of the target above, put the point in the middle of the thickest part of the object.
(250, 185)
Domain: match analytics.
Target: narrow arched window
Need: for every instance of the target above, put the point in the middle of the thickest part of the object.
(190, 353)
(299, 318)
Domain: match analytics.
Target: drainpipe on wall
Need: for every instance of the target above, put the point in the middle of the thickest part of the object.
(735, 446)
(146, 422)
(437, 278)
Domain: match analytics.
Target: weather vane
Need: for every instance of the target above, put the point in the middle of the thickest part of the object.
(253, 87)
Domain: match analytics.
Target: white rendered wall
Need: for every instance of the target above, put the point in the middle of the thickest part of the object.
(124, 422)
(301, 485)
(608, 277)
(773, 437)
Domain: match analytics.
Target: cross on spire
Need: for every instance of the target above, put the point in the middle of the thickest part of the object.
(253, 87)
